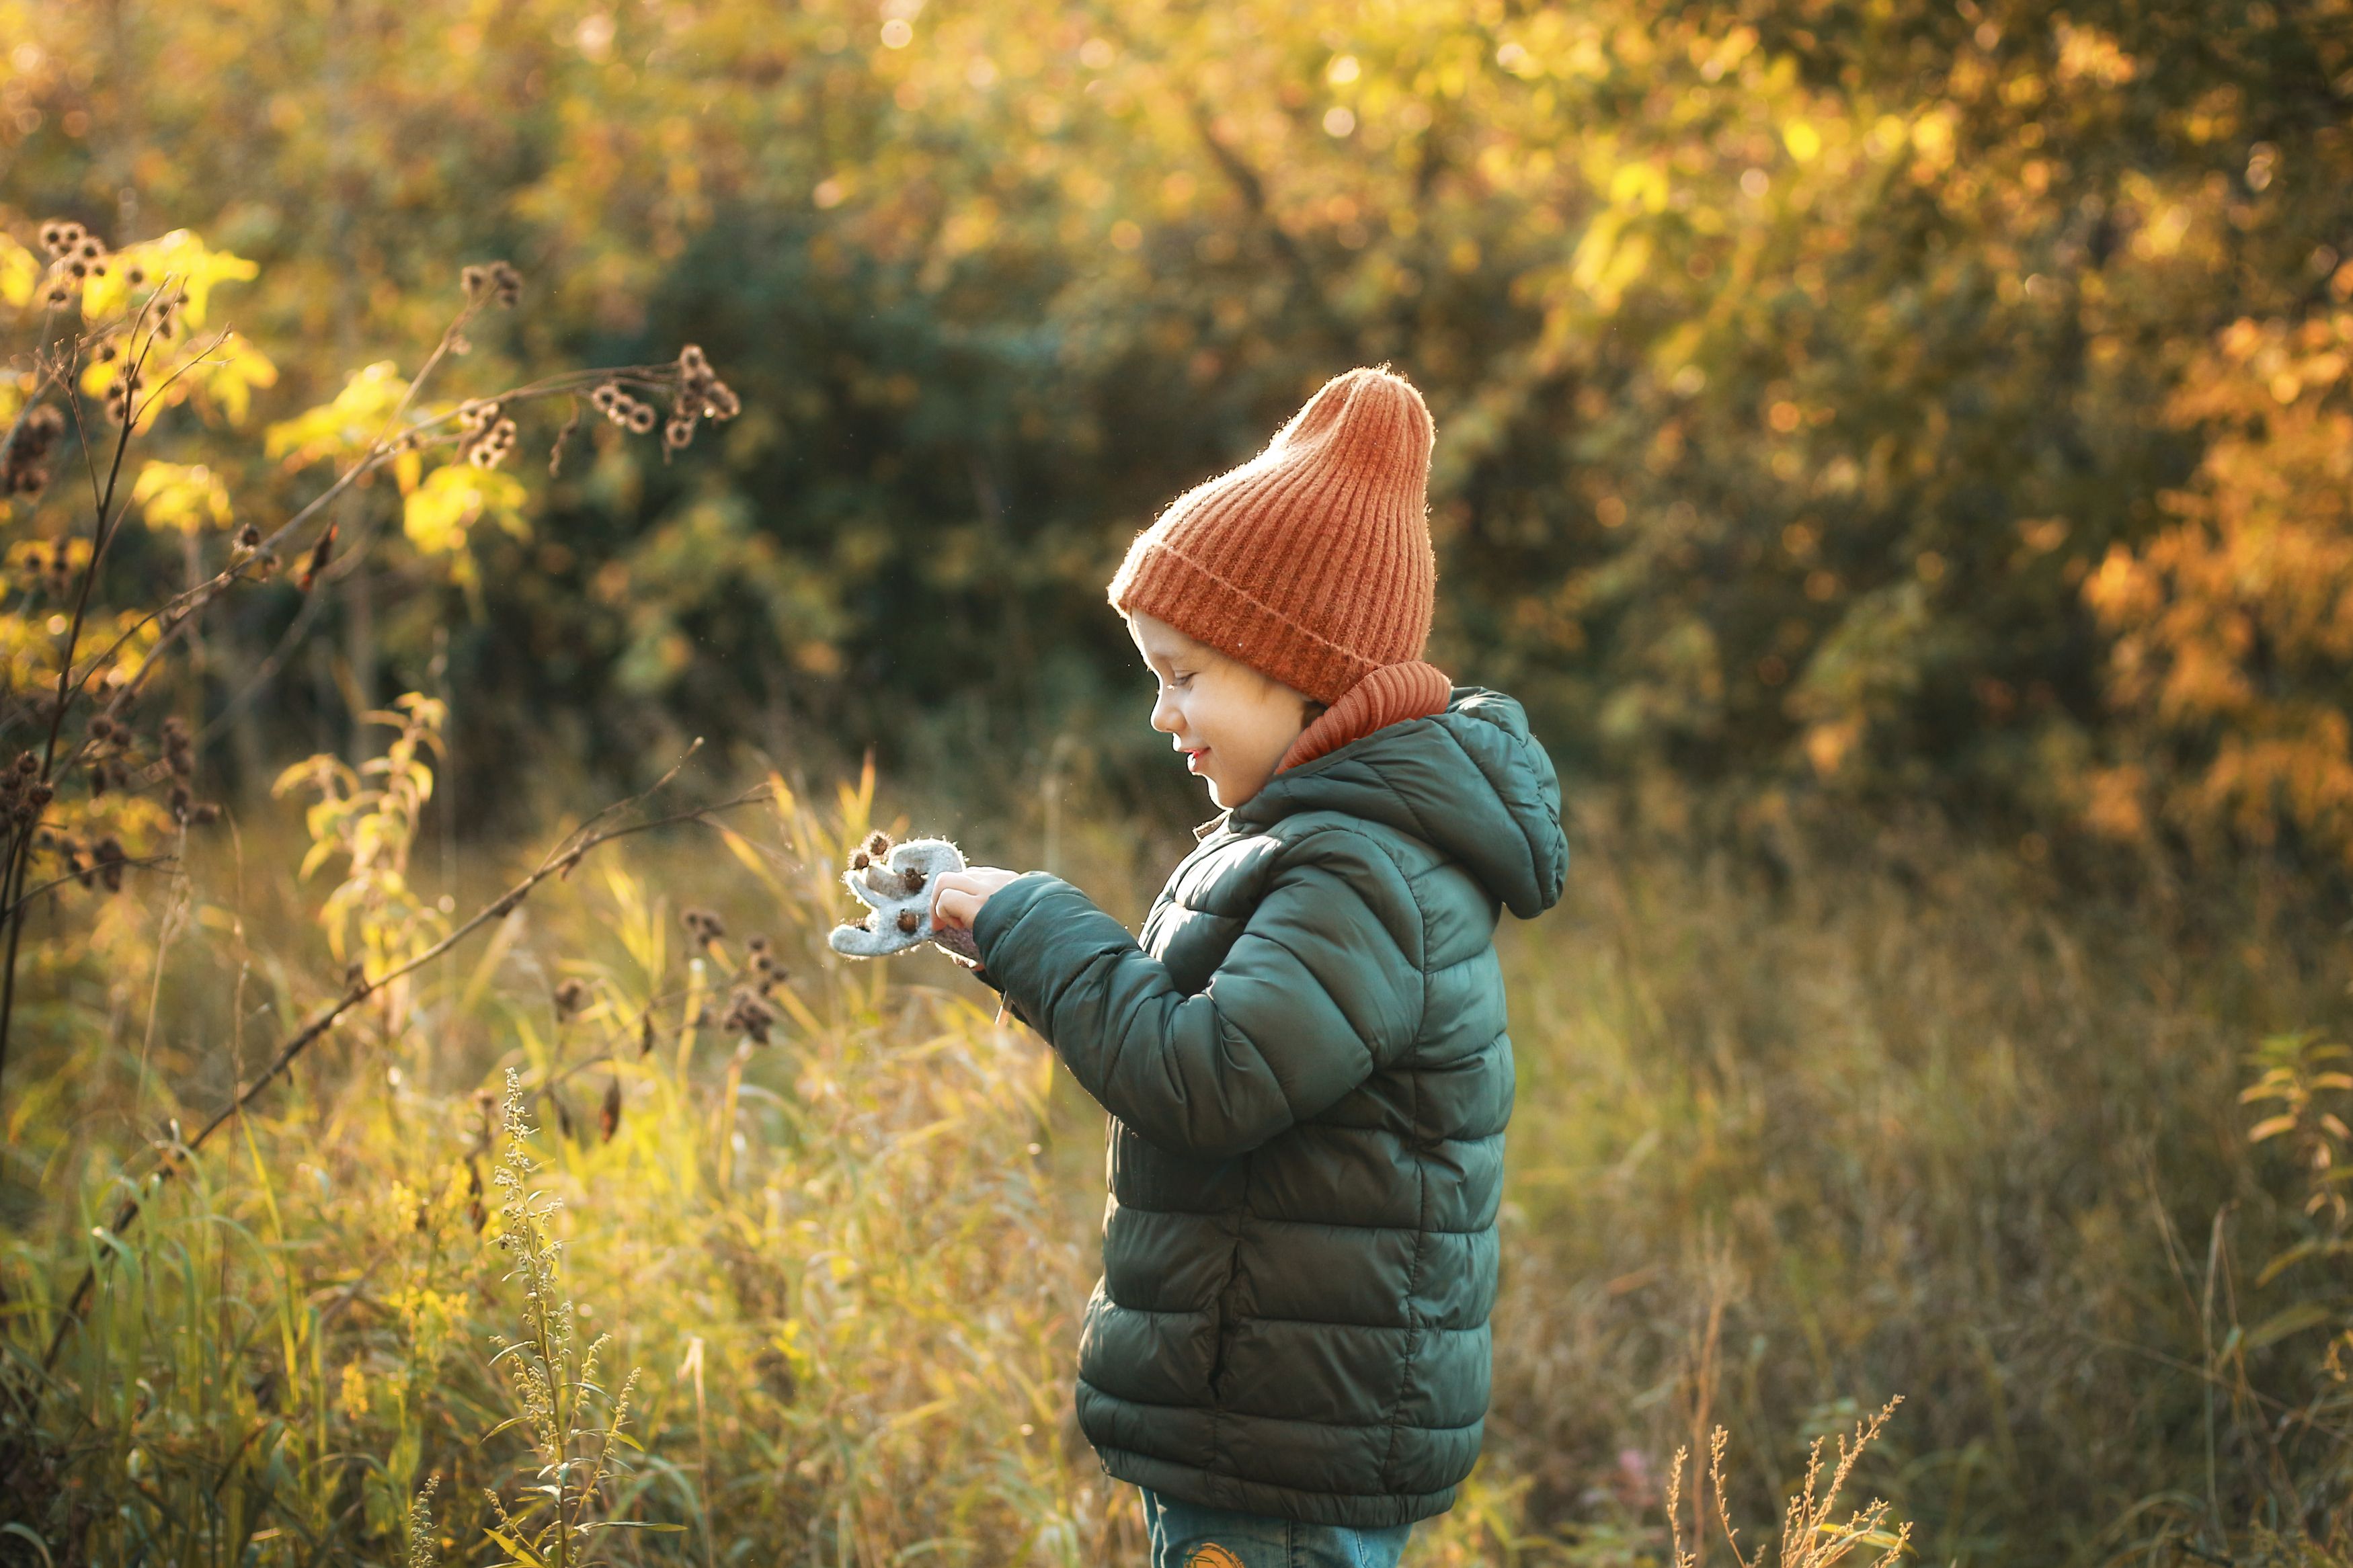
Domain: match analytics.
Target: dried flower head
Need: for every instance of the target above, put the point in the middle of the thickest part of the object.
(641, 416)
(23, 468)
(677, 432)
(878, 843)
(109, 857)
(748, 1015)
(571, 997)
(496, 282)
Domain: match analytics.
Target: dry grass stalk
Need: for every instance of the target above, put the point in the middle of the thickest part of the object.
(1811, 1536)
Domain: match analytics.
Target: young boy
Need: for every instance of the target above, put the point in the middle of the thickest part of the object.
(1304, 1060)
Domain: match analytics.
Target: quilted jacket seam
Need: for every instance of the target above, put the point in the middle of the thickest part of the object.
(1331, 1224)
(1101, 1392)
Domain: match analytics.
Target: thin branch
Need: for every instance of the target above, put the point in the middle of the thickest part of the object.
(145, 862)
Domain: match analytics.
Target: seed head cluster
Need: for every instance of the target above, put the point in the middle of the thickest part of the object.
(179, 765)
(485, 435)
(75, 255)
(89, 865)
(767, 973)
(122, 394)
(23, 793)
(48, 571)
(877, 845)
(107, 755)
(704, 926)
(25, 467)
(700, 395)
(749, 1015)
(622, 409)
(496, 282)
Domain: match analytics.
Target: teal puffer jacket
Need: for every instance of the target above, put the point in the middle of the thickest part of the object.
(1308, 1077)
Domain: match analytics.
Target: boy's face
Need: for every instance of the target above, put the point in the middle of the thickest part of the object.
(1233, 722)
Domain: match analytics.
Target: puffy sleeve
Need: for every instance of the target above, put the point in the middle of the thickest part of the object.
(1323, 985)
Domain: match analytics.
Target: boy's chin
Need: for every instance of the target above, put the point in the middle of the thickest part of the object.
(1224, 797)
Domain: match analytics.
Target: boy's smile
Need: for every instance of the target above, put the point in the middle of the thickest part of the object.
(1232, 722)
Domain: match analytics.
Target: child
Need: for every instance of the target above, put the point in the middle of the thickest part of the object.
(1304, 1061)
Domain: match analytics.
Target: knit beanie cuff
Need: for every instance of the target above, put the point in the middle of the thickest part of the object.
(1159, 580)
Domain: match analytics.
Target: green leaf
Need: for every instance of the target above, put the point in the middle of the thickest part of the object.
(2294, 1320)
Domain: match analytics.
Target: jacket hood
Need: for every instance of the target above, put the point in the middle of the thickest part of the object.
(1470, 782)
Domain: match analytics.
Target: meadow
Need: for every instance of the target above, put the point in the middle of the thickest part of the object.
(1805, 1122)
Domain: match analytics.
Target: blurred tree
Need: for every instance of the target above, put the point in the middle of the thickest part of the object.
(1795, 362)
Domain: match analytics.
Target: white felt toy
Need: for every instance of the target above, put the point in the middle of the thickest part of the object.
(895, 883)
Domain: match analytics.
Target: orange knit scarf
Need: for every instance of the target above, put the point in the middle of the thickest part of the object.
(1390, 695)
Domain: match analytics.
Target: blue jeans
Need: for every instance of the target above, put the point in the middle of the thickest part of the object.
(1189, 1535)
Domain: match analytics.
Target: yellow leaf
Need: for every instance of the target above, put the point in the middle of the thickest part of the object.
(349, 424)
(179, 257)
(230, 372)
(20, 273)
(182, 496)
(2270, 1127)
(437, 513)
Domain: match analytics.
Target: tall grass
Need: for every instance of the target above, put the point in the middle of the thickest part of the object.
(1799, 1129)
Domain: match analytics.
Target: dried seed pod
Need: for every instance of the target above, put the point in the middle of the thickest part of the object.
(909, 921)
(914, 877)
(878, 843)
(641, 416)
(748, 1015)
(608, 1115)
(108, 857)
(571, 997)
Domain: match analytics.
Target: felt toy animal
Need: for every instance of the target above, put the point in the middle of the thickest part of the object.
(895, 881)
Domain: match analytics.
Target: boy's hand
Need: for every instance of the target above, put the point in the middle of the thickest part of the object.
(956, 896)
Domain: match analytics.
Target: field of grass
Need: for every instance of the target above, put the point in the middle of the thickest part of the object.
(1802, 1125)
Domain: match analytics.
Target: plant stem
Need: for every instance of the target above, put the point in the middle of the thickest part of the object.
(558, 862)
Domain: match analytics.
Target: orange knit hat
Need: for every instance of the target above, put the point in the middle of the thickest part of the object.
(1312, 562)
